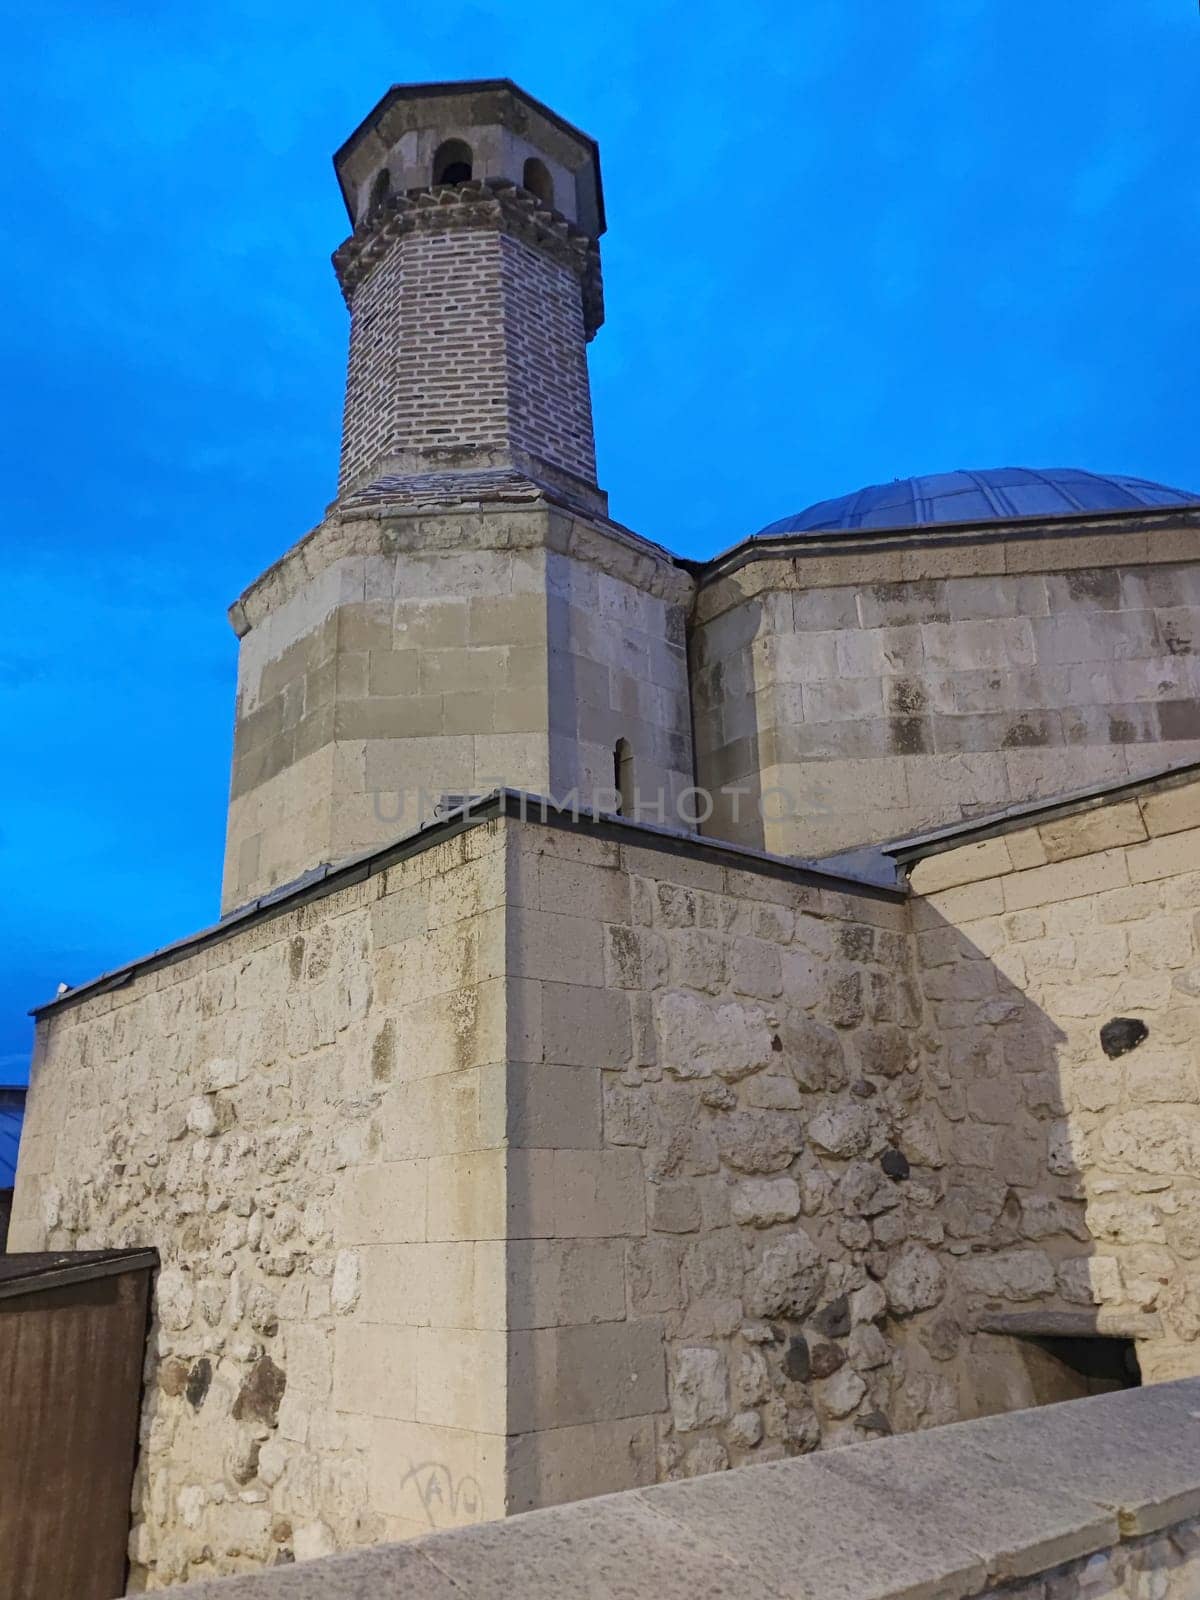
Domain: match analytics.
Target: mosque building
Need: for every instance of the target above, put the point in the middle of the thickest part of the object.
(665, 1014)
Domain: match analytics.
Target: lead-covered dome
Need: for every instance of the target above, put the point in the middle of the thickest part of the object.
(996, 495)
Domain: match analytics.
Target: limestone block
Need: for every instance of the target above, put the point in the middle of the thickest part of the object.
(864, 1190)
(461, 1378)
(951, 868)
(547, 944)
(313, 1540)
(439, 1116)
(1151, 1141)
(654, 1273)
(699, 1388)
(1066, 880)
(554, 1283)
(1165, 856)
(209, 1115)
(698, 960)
(772, 1091)
(434, 1477)
(964, 904)
(760, 1141)
(915, 1281)
(467, 1196)
(561, 1377)
(585, 1027)
(573, 1194)
(697, 1039)
(558, 1465)
(993, 1100)
(381, 1204)
(1171, 810)
(554, 1107)
(868, 1304)
(675, 1208)
(174, 1299)
(1101, 828)
(746, 1430)
(1026, 848)
(867, 1348)
(848, 1130)
(787, 1279)
(1009, 1274)
(455, 1284)
(375, 1370)
(814, 1052)
(842, 1393)
(760, 1202)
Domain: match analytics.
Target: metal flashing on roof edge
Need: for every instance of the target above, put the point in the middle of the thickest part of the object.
(873, 860)
(515, 804)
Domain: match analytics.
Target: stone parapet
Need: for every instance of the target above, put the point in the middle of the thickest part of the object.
(1097, 1496)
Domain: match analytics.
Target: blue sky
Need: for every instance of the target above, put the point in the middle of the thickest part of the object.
(848, 241)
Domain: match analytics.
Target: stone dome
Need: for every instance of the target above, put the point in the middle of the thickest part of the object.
(991, 496)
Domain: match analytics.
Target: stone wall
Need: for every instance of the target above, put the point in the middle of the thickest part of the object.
(308, 1120)
(1100, 1497)
(388, 661)
(769, 1124)
(864, 691)
(559, 1158)
(1076, 1168)
(548, 1161)
(618, 671)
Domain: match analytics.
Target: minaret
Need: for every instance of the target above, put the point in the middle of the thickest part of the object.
(466, 615)
(473, 282)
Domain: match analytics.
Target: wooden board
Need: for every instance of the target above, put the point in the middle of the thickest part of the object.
(70, 1393)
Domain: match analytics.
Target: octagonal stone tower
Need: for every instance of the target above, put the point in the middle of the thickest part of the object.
(466, 615)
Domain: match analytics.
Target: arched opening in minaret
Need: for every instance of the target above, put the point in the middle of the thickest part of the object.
(453, 162)
(380, 190)
(623, 777)
(538, 181)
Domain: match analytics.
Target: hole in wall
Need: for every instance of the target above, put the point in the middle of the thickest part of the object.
(453, 162)
(623, 777)
(1066, 1368)
(538, 181)
(380, 190)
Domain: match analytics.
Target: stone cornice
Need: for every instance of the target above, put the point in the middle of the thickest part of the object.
(495, 203)
(388, 528)
(966, 550)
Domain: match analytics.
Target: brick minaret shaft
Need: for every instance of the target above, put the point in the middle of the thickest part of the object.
(470, 308)
(472, 300)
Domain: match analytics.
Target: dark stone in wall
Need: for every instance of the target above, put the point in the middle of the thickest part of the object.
(198, 1381)
(1122, 1034)
(796, 1362)
(895, 1163)
(911, 736)
(873, 1422)
(833, 1320)
(826, 1359)
(262, 1390)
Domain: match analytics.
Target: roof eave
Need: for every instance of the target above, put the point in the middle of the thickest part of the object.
(763, 546)
(422, 91)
